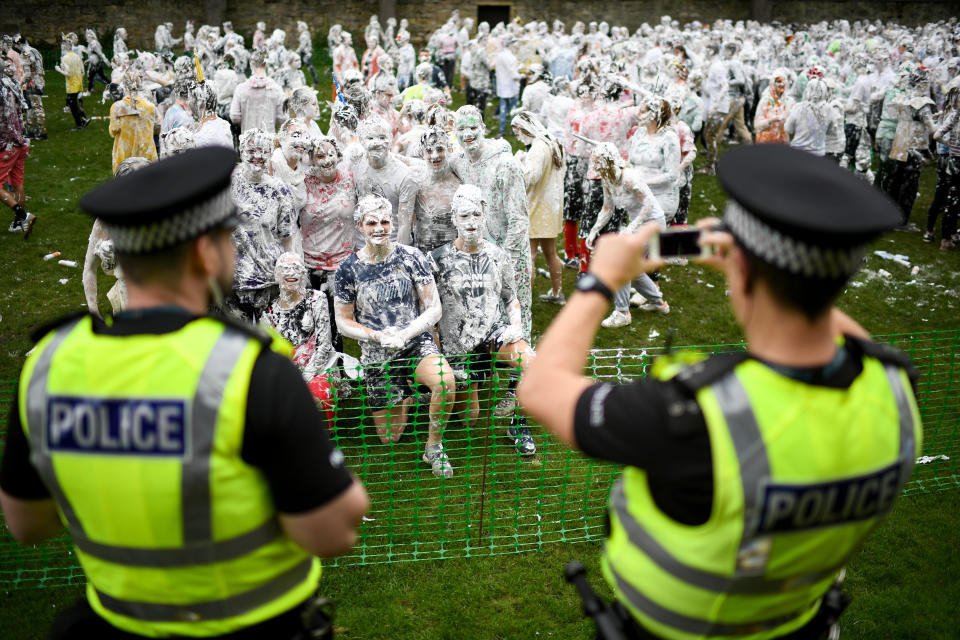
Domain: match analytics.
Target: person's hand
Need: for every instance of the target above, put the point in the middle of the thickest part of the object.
(619, 258)
(511, 334)
(720, 243)
(592, 238)
(392, 338)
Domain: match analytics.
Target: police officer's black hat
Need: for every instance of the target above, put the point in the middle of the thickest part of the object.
(802, 213)
(168, 202)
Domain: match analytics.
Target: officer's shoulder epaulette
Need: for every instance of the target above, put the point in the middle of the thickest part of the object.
(886, 354)
(695, 376)
(37, 334)
(250, 330)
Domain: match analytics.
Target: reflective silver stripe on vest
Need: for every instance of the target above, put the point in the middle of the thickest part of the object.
(748, 443)
(198, 547)
(715, 582)
(36, 426)
(908, 441)
(204, 553)
(197, 513)
(214, 609)
(755, 468)
(694, 625)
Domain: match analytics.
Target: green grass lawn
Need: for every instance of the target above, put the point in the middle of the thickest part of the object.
(518, 537)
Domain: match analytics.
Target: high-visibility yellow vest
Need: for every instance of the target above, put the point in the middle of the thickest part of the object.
(139, 439)
(801, 475)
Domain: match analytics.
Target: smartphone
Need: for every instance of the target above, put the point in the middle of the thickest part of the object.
(678, 242)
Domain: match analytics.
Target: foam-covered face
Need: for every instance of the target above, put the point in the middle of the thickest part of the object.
(779, 85)
(376, 142)
(325, 160)
(386, 96)
(294, 142)
(469, 220)
(423, 56)
(255, 157)
(469, 132)
(375, 227)
(290, 274)
(436, 156)
(522, 135)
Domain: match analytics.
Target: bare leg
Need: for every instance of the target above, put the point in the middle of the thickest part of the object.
(471, 399)
(434, 372)
(389, 427)
(549, 248)
(516, 354)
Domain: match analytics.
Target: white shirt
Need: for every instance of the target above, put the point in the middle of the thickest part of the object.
(508, 75)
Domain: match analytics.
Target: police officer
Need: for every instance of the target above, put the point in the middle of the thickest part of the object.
(751, 478)
(197, 502)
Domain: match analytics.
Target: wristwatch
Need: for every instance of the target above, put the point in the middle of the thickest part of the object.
(590, 282)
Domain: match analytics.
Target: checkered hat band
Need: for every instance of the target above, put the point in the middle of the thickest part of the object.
(174, 230)
(789, 254)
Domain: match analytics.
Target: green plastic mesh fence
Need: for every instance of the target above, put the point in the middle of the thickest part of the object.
(498, 502)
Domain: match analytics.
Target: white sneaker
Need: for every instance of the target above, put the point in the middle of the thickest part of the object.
(637, 300)
(27, 225)
(15, 227)
(662, 308)
(617, 319)
(437, 458)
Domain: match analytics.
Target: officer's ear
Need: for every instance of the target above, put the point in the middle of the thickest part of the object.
(206, 254)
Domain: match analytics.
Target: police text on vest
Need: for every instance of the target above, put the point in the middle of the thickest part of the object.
(793, 507)
(128, 426)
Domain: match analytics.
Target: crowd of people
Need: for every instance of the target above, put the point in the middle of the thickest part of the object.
(751, 478)
(362, 221)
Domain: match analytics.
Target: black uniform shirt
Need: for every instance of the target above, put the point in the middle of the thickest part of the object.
(285, 436)
(637, 424)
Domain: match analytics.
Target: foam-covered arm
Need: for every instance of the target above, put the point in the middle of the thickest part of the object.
(348, 325)
(430, 302)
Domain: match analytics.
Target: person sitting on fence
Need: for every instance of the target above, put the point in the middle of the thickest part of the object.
(300, 315)
(379, 294)
(481, 320)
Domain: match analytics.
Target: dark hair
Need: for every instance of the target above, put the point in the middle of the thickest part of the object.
(810, 296)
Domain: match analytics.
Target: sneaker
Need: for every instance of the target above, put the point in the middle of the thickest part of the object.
(571, 263)
(910, 227)
(617, 319)
(15, 227)
(27, 225)
(928, 237)
(553, 299)
(543, 273)
(947, 245)
(637, 300)
(436, 457)
(522, 440)
(506, 405)
(86, 121)
(662, 307)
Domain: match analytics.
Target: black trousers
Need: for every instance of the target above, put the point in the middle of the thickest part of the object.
(853, 133)
(307, 63)
(904, 177)
(683, 209)
(76, 108)
(946, 198)
(94, 73)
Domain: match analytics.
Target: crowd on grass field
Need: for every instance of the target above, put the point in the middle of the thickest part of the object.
(405, 227)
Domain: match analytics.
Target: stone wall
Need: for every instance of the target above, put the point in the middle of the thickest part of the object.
(43, 20)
